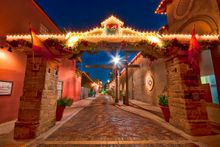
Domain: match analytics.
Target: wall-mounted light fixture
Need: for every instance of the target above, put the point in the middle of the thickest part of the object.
(10, 49)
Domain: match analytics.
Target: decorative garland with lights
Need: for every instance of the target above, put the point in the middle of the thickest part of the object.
(174, 45)
(20, 43)
(151, 50)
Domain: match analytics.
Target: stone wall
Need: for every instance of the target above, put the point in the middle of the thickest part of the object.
(182, 15)
(186, 98)
(38, 104)
(137, 80)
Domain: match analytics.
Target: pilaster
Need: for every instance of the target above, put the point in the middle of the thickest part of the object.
(38, 102)
(186, 98)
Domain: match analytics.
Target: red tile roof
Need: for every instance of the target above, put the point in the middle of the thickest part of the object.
(162, 8)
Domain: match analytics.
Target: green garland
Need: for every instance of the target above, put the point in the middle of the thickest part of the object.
(20, 43)
(151, 50)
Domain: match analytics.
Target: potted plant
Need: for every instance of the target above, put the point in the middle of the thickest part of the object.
(90, 93)
(61, 104)
(123, 95)
(163, 102)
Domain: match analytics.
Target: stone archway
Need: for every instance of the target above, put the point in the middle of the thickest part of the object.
(208, 25)
(39, 98)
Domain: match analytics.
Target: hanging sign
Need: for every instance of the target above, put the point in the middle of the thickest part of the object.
(6, 88)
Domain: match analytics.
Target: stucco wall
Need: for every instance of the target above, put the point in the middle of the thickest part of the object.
(16, 15)
(137, 85)
(12, 68)
(183, 14)
(84, 92)
(71, 82)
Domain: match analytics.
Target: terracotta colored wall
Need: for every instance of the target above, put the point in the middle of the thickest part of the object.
(71, 83)
(12, 68)
(16, 15)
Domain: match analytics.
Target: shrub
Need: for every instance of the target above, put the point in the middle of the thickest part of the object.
(163, 101)
(65, 102)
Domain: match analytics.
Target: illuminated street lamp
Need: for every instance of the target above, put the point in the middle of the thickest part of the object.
(117, 62)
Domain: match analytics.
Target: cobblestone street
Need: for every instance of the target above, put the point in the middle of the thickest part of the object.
(102, 123)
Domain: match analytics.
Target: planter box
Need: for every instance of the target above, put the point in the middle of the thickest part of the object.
(214, 117)
(166, 112)
(59, 112)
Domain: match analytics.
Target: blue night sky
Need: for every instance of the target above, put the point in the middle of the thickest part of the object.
(74, 15)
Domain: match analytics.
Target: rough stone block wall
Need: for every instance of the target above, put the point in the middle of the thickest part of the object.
(186, 99)
(38, 103)
(137, 80)
(49, 98)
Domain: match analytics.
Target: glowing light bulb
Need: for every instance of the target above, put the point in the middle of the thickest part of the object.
(116, 60)
(2, 55)
(72, 41)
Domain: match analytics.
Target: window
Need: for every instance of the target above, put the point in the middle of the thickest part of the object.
(210, 79)
(43, 29)
(59, 89)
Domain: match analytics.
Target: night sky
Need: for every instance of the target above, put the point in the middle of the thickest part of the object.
(75, 15)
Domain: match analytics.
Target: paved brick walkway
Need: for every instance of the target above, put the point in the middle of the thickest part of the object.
(102, 123)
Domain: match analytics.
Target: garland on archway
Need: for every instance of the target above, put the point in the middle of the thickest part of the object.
(151, 50)
(176, 47)
(20, 43)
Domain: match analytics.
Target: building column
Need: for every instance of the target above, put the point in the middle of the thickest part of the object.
(126, 101)
(117, 94)
(186, 98)
(37, 110)
(215, 52)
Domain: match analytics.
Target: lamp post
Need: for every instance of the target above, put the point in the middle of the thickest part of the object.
(116, 61)
(126, 101)
(116, 86)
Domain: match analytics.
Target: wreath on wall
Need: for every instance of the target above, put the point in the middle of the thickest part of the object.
(112, 29)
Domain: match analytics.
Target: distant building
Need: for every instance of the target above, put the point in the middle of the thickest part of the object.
(146, 82)
(89, 85)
